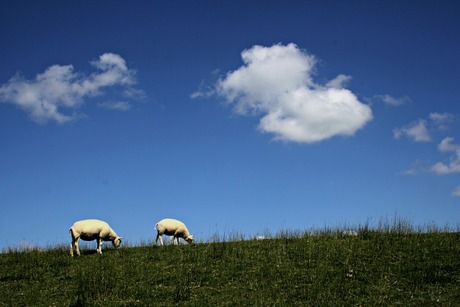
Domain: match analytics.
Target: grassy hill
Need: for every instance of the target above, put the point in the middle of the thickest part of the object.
(377, 267)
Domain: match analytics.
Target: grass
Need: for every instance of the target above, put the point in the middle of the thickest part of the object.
(393, 264)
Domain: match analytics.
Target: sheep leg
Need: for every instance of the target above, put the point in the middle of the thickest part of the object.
(161, 240)
(74, 243)
(99, 246)
(77, 249)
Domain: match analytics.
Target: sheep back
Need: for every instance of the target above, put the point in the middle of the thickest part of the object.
(172, 227)
(92, 229)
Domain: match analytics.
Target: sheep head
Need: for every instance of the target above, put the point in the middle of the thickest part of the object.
(116, 243)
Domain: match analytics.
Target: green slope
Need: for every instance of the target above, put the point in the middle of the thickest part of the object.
(373, 268)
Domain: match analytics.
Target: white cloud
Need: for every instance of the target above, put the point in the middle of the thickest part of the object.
(276, 83)
(416, 130)
(419, 166)
(442, 169)
(392, 101)
(441, 117)
(456, 191)
(420, 130)
(206, 88)
(44, 97)
(453, 166)
(135, 94)
(447, 146)
(441, 121)
(412, 171)
(339, 82)
(115, 105)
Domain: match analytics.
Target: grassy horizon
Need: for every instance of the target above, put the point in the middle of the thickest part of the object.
(393, 263)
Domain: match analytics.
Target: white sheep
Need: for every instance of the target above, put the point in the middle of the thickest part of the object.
(171, 227)
(89, 230)
(351, 233)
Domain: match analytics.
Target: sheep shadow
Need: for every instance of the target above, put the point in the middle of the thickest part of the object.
(87, 252)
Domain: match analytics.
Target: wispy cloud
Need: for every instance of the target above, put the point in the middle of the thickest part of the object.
(447, 145)
(453, 166)
(420, 130)
(207, 88)
(276, 83)
(339, 82)
(391, 100)
(441, 121)
(419, 166)
(61, 88)
(115, 105)
(415, 130)
(456, 191)
(442, 117)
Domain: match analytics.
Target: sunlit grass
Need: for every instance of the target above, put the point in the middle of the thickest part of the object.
(390, 263)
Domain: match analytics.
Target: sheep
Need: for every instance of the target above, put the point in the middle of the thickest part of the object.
(351, 233)
(89, 230)
(171, 227)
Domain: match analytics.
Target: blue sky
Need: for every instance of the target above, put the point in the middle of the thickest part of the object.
(235, 117)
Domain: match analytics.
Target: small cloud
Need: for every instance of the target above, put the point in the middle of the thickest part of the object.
(447, 146)
(439, 168)
(416, 130)
(207, 89)
(419, 166)
(456, 191)
(419, 130)
(115, 105)
(444, 169)
(411, 171)
(197, 94)
(60, 88)
(392, 101)
(453, 166)
(202, 92)
(339, 82)
(441, 117)
(276, 84)
(135, 94)
(441, 121)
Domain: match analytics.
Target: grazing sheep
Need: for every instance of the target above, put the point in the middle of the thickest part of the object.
(171, 227)
(89, 230)
(351, 233)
